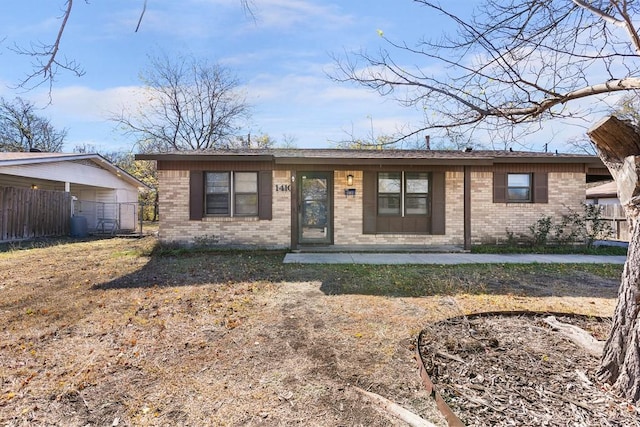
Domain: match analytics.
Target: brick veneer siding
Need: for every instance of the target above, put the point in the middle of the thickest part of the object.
(176, 227)
(348, 227)
(490, 221)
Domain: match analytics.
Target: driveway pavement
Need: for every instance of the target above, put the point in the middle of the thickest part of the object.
(446, 258)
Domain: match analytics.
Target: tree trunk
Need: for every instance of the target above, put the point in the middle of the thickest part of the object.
(155, 206)
(618, 144)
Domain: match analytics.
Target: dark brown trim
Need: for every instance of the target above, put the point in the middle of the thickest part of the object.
(294, 210)
(380, 162)
(212, 166)
(438, 205)
(531, 168)
(540, 187)
(196, 195)
(467, 208)
(185, 157)
(369, 202)
(499, 187)
(265, 195)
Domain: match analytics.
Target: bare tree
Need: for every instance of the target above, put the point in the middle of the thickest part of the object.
(190, 105)
(254, 141)
(628, 108)
(48, 60)
(21, 129)
(516, 63)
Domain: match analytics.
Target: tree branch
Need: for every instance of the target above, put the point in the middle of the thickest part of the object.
(46, 69)
(513, 63)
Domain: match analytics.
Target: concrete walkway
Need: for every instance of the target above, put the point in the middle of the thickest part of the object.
(446, 258)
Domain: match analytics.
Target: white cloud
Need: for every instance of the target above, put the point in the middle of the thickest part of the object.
(317, 110)
(285, 14)
(209, 19)
(81, 103)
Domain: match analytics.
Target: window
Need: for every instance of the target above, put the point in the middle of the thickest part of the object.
(231, 193)
(519, 187)
(246, 193)
(410, 202)
(403, 193)
(389, 193)
(217, 193)
(416, 201)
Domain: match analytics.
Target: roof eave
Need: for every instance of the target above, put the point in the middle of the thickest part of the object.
(206, 157)
(380, 161)
(35, 160)
(588, 160)
(96, 158)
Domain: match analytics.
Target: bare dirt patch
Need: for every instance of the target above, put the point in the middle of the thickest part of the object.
(106, 333)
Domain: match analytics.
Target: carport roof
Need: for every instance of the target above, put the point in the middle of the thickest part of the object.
(23, 158)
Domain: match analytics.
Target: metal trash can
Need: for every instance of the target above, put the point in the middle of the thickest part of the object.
(79, 226)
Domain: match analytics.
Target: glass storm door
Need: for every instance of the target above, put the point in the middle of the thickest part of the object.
(315, 207)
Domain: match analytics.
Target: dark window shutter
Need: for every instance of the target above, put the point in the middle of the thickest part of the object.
(369, 205)
(196, 195)
(540, 187)
(438, 203)
(265, 191)
(499, 187)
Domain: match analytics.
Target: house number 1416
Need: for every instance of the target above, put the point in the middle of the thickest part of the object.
(283, 187)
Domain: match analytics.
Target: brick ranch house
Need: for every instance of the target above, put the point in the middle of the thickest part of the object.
(333, 198)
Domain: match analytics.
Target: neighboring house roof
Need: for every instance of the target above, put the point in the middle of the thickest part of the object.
(351, 157)
(608, 190)
(21, 158)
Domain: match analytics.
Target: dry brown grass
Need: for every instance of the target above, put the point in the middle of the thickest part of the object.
(104, 333)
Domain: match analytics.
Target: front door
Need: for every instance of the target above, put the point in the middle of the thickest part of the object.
(314, 213)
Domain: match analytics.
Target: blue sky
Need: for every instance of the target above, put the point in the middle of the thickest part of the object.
(281, 58)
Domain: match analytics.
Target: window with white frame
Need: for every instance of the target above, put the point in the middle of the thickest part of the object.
(519, 187)
(403, 193)
(231, 193)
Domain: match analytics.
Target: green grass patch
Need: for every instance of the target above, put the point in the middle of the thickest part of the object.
(427, 280)
(505, 249)
(196, 266)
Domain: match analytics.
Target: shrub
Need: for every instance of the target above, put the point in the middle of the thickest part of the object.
(570, 229)
(585, 227)
(574, 227)
(540, 231)
(596, 227)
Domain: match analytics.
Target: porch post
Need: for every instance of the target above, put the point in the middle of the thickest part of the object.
(467, 207)
(294, 209)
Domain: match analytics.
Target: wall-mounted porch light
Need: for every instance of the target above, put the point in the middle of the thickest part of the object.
(350, 191)
(34, 187)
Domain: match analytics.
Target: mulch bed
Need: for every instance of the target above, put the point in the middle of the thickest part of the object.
(506, 370)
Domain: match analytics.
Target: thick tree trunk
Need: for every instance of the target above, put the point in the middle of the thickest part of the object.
(620, 365)
(618, 144)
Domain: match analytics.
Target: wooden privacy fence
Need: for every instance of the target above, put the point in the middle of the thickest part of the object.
(619, 225)
(27, 213)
